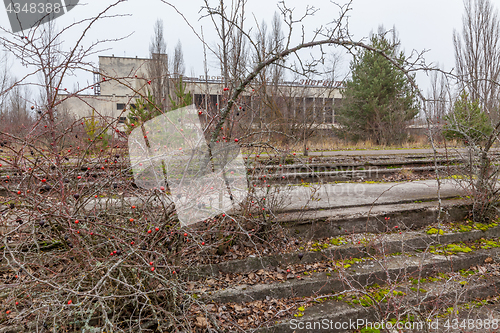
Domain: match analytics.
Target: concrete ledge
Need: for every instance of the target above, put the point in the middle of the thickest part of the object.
(391, 243)
(359, 275)
(338, 311)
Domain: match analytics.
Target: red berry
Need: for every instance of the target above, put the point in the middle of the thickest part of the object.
(152, 269)
(202, 243)
(151, 263)
(44, 180)
(18, 192)
(149, 231)
(157, 228)
(235, 140)
(185, 234)
(131, 220)
(132, 243)
(288, 270)
(70, 301)
(133, 207)
(79, 177)
(76, 221)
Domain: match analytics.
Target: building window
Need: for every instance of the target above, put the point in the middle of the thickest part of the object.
(120, 106)
(121, 120)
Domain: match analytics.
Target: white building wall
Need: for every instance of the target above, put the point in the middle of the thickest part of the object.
(122, 77)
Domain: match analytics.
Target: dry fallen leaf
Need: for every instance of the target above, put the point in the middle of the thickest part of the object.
(201, 322)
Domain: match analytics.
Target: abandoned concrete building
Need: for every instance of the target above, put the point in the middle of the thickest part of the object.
(121, 81)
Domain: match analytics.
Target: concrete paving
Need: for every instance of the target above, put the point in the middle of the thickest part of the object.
(330, 196)
(370, 152)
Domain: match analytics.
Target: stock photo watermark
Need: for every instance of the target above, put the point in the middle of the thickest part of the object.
(170, 153)
(400, 326)
(27, 14)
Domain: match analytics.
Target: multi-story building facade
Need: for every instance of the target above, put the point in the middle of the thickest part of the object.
(121, 81)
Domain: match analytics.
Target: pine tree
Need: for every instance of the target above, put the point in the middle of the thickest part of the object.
(467, 122)
(182, 98)
(143, 110)
(378, 99)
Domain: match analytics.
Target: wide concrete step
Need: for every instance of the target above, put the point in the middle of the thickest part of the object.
(303, 175)
(340, 248)
(452, 304)
(358, 275)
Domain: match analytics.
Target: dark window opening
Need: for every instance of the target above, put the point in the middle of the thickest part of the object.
(120, 106)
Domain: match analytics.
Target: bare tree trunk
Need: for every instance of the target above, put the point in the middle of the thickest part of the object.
(477, 54)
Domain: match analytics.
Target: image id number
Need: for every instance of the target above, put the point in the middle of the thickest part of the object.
(456, 324)
(40, 8)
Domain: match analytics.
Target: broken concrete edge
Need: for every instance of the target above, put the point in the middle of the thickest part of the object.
(409, 241)
(372, 218)
(345, 174)
(308, 215)
(373, 162)
(424, 264)
(340, 311)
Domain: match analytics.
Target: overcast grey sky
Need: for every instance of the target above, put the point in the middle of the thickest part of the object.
(426, 24)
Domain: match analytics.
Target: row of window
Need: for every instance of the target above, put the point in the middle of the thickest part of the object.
(321, 110)
(123, 106)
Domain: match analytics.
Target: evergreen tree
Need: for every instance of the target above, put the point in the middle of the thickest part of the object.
(182, 98)
(378, 99)
(467, 122)
(142, 111)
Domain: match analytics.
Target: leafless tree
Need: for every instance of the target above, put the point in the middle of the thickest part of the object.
(4, 80)
(178, 61)
(477, 54)
(19, 118)
(158, 67)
